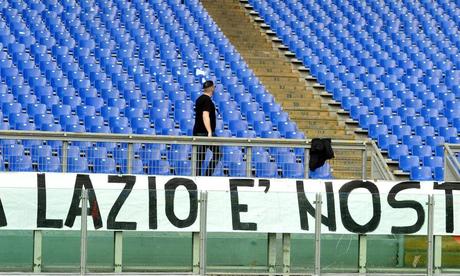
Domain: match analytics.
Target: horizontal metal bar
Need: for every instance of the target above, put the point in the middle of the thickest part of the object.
(163, 139)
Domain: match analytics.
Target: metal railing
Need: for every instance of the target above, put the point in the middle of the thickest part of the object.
(301, 147)
(451, 162)
(275, 255)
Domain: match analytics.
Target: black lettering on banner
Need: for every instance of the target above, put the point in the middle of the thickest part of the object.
(399, 204)
(81, 181)
(348, 222)
(305, 207)
(170, 191)
(448, 187)
(3, 221)
(237, 208)
(42, 221)
(153, 221)
(264, 183)
(129, 181)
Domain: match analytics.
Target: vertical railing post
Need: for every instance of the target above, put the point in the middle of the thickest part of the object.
(249, 161)
(286, 253)
(37, 251)
(362, 243)
(364, 162)
(118, 254)
(318, 204)
(65, 145)
(401, 251)
(306, 161)
(196, 253)
(430, 235)
(194, 159)
(130, 158)
(437, 255)
(83, 231)
(203, 231)
(271, 252)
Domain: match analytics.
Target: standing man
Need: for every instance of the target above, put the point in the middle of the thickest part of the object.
(205, 125)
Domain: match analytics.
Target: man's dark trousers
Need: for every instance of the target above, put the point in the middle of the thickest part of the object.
(201, 155)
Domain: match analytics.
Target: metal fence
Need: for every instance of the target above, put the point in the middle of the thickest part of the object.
(279, 247)
(172, 155)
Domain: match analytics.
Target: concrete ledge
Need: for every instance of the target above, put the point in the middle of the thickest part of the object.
(318, 85)
(262, 25)
(303, 69)
(361, 131)
(327, 95)
(391, 162)
(400, 172)
(351, 121)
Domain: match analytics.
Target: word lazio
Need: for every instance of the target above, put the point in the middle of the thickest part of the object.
(161, 203)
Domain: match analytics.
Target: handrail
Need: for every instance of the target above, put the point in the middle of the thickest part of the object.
(381, 165)
(451, 163)
(361, 145)
(196, 140)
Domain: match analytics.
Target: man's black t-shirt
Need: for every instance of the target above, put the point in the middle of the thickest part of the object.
(204, 103)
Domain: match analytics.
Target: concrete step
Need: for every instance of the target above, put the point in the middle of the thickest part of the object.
(269, 71)
(325, 133)
(317, 124)
(288, 103)
(281, 78)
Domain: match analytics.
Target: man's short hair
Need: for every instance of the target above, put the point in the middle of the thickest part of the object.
(208, 84)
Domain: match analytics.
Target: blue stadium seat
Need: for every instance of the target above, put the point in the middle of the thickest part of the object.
(237, 169)
(375, 130)
(20, 163)
(157, 167)
(293, 170)
(323, 172)
(395, 151)
(104, 165)
(266, 169)
(421, 174)
(421, 151)
(39, 152)
(49, 164)
(182, 167)
(438, 173)
(407, 162)
(433, 161)
(137, 166)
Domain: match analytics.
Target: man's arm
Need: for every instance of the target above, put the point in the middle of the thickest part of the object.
(207, 122)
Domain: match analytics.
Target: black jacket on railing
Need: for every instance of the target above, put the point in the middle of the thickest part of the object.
(320, 151)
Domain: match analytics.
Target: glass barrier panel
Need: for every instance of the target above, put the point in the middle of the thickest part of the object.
(449, 224)
(19, 254)
(100, 256)
(390, 253)
(236, 251)
(302, 253)
(60, 251)
(156, 251)
(450, 252)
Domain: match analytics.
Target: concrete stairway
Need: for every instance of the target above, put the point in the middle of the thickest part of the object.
(288, 84)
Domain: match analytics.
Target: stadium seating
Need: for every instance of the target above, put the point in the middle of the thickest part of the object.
(393, 65)
(122, 66)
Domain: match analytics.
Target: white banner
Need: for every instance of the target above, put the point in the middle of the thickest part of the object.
(164, 203)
